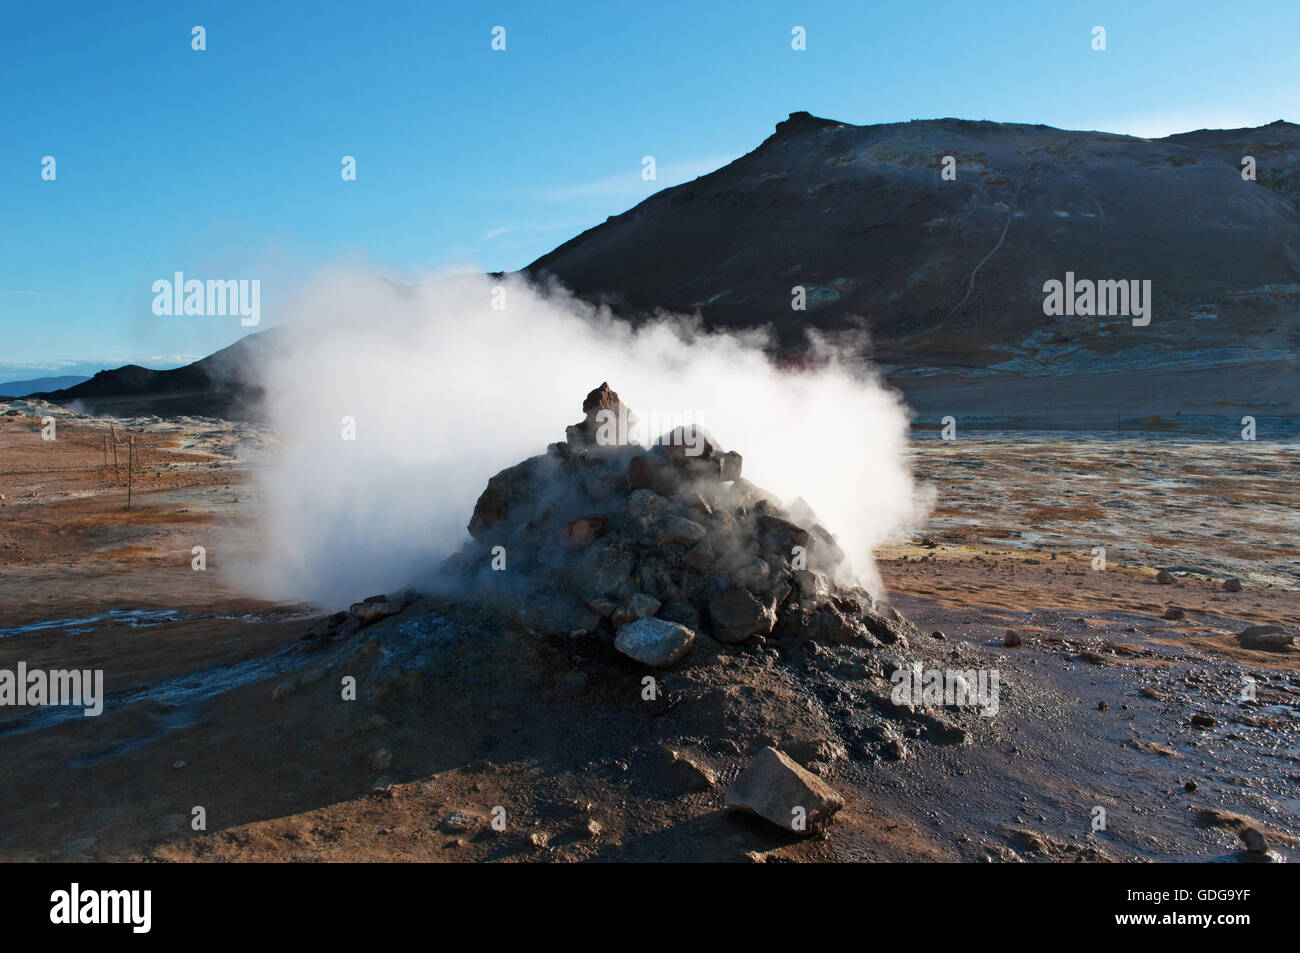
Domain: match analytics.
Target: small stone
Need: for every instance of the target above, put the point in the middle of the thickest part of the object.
(1254, 839)
(592, 828)
(380, 759)
(1190, 787)
(1102, 706)
(178, 763)
(1174, 614)
(687, 774)
(638, 606)
(654, 642)
(1011, 639)
(1164, 578)
(582, 532)
(459, 822)
(936, 634)
(1232, 585)
(1202, 720)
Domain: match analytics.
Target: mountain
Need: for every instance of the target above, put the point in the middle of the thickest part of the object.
(947, 277)
(38, 384)
(222, 384)
(943, 280)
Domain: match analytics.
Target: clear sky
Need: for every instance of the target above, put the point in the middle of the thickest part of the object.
(226, 163)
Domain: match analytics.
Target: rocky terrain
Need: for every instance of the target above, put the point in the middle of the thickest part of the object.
(619, 690)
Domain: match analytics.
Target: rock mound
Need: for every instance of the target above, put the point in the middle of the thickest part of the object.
(644, 547)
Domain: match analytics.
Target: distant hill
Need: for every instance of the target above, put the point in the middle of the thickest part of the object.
(223, 384)
(39, 384)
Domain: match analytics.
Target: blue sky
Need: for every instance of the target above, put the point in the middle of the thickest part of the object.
(225, 163)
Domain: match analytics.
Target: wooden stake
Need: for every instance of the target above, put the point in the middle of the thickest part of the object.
(130, 464)
(116, 476)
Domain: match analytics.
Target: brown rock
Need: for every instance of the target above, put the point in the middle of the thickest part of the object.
(686, 773)
(777, 789)
(505, 491)
(582, 532)
(604, 414)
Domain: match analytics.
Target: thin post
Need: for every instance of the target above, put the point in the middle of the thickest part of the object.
(130, 465)
(116, 476)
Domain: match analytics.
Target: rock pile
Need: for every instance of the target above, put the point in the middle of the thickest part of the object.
(652, 548)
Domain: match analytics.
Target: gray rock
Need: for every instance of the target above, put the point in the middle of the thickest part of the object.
(701, 557)
(655, 642)
(638, 606)
(737, 614)
(1266, 638)
(460, 822)
(372, 610)
(777, 789)
(677, 531)
(812, 586)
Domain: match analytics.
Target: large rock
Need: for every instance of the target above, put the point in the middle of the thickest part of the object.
(654, 642)
(738, 614)
(648, 471)
(777, 789)
(373, 609)
(607, 421)
(1266, 638)
(510, 488)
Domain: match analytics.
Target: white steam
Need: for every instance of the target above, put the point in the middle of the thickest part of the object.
(446, 390)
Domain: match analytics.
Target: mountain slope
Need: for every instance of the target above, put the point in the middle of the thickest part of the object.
(947, 276)
(39, 385)
(223, 384)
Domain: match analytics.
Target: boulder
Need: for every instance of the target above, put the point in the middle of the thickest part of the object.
(654, 642)
(505, 491)
(677, 531)
(777, 789)
(373, 609)
(1265, 638)
(652, 472)
(607, 421)
(737, 614)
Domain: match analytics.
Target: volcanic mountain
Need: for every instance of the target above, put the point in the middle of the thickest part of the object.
(946, 274)
(941, 274)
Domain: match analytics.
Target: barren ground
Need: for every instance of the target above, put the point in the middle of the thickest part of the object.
(215, 701)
